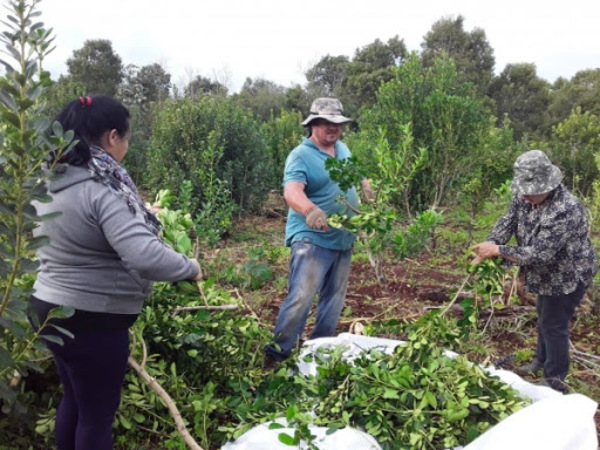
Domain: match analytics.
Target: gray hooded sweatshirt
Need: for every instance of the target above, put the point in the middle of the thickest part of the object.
(101, 256)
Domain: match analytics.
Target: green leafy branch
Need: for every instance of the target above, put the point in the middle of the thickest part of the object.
(24, 148)
(379, 224)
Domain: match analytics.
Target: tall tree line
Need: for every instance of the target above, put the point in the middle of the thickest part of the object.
(532, 111)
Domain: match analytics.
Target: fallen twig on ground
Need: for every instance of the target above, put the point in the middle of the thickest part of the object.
(151, 381)
(375, 317)
(507, 311)
(208, 308)
(587, 360)
(248, 307)
(588, 355)
(462, 286)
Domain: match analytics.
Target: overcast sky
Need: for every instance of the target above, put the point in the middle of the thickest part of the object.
(279, 40)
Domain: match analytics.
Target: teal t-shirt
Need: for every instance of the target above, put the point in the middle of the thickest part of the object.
(306, 164)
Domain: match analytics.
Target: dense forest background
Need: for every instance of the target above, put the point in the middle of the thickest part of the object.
(471, 120)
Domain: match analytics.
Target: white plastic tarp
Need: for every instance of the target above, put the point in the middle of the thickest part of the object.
(553, 422)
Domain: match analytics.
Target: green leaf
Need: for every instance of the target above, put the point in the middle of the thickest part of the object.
(6, 359)
(8, 394)
(42, 429)
(197, 405)
(430, 397)
(7, 208)
(346, 416)
(8, 101)
(57, 128)
(49, 216)
(390, 393)
(29, 265)
(275, 426)
(5, 268)
(414, 439)
(333, 427)
(5, 252)
(12, 119)
(61, 312)
(30, 212)
(37, 242)
(290, 413)
(13, 326)
(125, 422)
(184, 244)
(62, 330)
(286, 439)
(472, 433)
(34, 366)
(51, 338)
(42, 124)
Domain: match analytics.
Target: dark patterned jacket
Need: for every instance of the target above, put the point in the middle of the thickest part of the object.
(553, 249)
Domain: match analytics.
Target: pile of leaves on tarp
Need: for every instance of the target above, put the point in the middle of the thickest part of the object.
(417, 396)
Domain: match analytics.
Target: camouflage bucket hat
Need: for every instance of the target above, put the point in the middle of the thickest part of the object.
(534, 174)
(326, 108)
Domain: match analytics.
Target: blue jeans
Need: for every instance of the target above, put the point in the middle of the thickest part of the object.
(554, 315)
(312, 269)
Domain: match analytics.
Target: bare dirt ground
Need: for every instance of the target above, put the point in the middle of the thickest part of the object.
(415, 286)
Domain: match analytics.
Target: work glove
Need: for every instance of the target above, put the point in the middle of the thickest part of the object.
(367, 195)
(317, 219)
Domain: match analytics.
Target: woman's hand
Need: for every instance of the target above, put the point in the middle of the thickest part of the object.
(200, 275)
(155, 209)
(485, 250)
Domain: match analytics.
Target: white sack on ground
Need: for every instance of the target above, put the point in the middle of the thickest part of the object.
(565, 423)
(553, 422)
(262, 438)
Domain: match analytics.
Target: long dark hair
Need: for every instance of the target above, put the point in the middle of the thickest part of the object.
(90, 118)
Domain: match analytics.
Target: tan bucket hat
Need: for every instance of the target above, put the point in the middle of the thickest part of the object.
(326, 108)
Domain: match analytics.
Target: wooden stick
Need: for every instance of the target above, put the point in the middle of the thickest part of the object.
(456, 296)
(196, 251)
(248, 307)
(208, 308)
(181, 428)
(375, 317)
(585, 363)
(579, 352)
(485, 312)
(487, 323)
(412, 261)
(514, 289)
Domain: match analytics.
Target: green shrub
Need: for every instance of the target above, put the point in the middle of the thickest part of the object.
(216, 146)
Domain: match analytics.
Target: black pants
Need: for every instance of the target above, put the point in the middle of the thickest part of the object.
(554, 315)
(91, 367)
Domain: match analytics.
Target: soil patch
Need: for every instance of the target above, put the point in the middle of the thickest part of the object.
(415, 286)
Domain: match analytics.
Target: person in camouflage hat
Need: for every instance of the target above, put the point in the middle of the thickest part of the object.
(554, 253)
(320, 256)
(534, 174)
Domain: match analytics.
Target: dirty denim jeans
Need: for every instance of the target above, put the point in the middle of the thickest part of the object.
(554, 315)
(313, 270)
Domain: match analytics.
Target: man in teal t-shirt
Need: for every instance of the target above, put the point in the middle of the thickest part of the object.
(320, 259)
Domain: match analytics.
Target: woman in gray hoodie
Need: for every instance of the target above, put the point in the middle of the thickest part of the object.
(104, 249)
